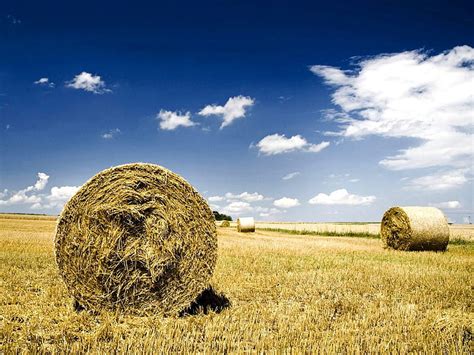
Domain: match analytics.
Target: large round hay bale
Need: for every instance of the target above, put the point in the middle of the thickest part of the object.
(136, 238)
(246, 224)
(414, 228)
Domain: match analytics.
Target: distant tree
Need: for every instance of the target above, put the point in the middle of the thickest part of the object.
(221, 217)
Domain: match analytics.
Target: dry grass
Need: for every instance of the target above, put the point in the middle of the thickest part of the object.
(288, 292)
(456, 231)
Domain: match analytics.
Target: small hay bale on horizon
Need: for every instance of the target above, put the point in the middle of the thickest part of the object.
(225, 224)
(414, 229)
(136, 238)
(246, 224)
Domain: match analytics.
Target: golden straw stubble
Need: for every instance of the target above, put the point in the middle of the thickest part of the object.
(414, 228)
(136, 238)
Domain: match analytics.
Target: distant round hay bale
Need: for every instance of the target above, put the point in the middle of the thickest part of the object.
(414, 228)
(225, 224)
(246, 224)
(136, 238)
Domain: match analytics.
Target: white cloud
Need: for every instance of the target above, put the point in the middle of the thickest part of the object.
(245, 196)
(341, 197)
(215, 198)
(291, 175)
(279, 144)
(447, 204)
(234, 108)
(13, 20)
(410, 95)
(266, 212)
(88, 82)
(286, 202)
(41, 182)
(171, 120)
(3, 193)
(439, 181)
(354, 180)
(30, 196)
(44, 82)
(25, 196)
(237, 208)
(60, 195)
(111, 133)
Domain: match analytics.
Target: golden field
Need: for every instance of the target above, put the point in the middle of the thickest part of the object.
(289, 293)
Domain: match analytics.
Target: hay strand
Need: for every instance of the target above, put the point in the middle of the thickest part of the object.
(136, 238)
(414, 228)
(246, 224)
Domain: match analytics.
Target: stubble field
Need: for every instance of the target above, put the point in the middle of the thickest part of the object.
(288, 292)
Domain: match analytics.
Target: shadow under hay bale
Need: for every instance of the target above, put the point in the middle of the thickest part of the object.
(208, 301)
(414, 229)
(138, 239)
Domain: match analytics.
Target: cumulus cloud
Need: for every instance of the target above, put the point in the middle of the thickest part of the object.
(266, 211)
(439, 181)
(341, 197)
(244, 196)
(237, 208)
(234, 108)
(88, 82)
(286, 202)
(409, 95)
(44, 82)
(26, 195)
(33, 196)
(447, 204)
(279, 144)
(111, 133)
(215, 198)
(170, 120)
(58, 196)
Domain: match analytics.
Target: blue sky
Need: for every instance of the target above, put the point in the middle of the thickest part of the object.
(297, 111)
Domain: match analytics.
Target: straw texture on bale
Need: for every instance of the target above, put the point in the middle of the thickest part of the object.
(136, 238)
(415, 228)
(225, 224)
(246, 224)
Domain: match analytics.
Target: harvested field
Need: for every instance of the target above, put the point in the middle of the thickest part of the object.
(457, 231)
(289, 292)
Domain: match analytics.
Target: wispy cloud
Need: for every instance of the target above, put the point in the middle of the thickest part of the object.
(341, 197)
(13, 19)
(278, 144)
(234, 108)
(88, 82)
(170, 120)
(291, 175)
(112, 133)
(439, 181)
